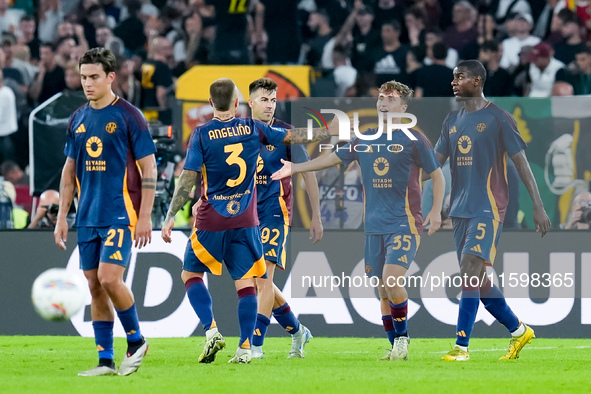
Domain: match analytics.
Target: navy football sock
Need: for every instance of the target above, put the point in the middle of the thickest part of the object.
(247, 315)
(201, 302)
(103, 337)
(468, 309)
(494, 302)
(260, 330)
(389, 328)
(130, 323)
(286, 318)
(399, 312)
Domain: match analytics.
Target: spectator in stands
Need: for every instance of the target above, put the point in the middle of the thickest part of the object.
(231, 44)
(390, 59)
(544, 22)
(365, 40)
(27, 29)
(414, 63)
(125, 84)
(13, 173)
(435, 80)
(46, 212)
(386, 11)
(580, 77)
(320, 47)
(14, 67)
(157, 81)
(72, 78)
(518, 26)
(95, 18)
(433, 10)
(9, 17)
(575, 220)
(51, 77)
(131, 29)
(50, 16)
(284, 35)
(562, 89)
(463, 30)
(571, 43)
(22, 61)
(503, 9)
(433, 36)
(8, 117)
(111, 9)
(415, 18)
(542, 71)
(499, 81)
(487, 31)
(64, 48)
(344, 74)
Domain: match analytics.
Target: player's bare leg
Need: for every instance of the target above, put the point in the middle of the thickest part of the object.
(110, 277)
(201, 302)
(398, 299)
(101, 311)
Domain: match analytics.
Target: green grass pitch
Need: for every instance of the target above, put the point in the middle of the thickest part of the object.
(332, 365)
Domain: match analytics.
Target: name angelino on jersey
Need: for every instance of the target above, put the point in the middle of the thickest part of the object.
(229, 132)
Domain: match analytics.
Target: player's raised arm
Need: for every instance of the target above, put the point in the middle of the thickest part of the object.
(434, 217)
(67, 185)
(183, 189)
(316, 229)
(316, 164)
(541, 220)
(299, 135)
(143, 229)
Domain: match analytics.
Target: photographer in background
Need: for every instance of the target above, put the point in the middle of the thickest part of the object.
(580, 212)
(46, 213)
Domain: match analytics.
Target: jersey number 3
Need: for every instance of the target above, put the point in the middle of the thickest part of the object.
(235, 150)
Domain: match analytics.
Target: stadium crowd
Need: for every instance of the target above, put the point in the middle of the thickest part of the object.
(529, 48)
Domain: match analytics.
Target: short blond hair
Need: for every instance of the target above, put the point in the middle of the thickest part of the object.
(393, 86)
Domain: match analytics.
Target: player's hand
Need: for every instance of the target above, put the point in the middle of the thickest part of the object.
(284, 172)
(61, 233)
(434, 219)
(541, 220)
(195, 208)
(166, 232)
(316, 229)
(143, 232)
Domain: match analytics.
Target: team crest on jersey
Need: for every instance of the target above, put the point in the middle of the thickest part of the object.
(233, 207)
(260, 164)
(111, 127)
(396, 148)
(464, 144)
(480, 127)
(381, 166)
(271, 148)
(94, 147)
(81, 129)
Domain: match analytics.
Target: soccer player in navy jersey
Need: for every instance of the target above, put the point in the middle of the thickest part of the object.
(225, 151)
(107, 145)
(391, 171)
(274, 211)
(477, 139)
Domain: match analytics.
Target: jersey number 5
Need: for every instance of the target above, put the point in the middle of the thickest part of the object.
(235, 150)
